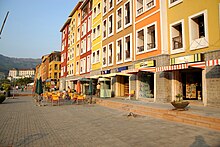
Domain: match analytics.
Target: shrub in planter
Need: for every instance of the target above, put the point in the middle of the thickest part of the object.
(179, 104)
(2, 98)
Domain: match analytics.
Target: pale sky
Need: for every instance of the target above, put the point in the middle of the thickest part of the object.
(33, 26)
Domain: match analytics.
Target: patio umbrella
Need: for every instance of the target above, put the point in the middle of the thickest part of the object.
(78, 89)
(39, 87)
(35, 86)
(90, 87)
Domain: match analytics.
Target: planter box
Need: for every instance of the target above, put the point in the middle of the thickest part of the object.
(180, 105)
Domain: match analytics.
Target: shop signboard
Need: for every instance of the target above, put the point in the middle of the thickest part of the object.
(150, 63)
(122, 68)
(186, 59)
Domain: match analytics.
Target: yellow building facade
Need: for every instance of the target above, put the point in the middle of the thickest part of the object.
(193, 43)
(96, 37)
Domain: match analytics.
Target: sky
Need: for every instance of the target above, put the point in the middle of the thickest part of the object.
(32, 28)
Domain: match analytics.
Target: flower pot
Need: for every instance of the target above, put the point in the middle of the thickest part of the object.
(180, 105)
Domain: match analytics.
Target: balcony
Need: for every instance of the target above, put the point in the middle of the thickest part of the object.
(177, 42)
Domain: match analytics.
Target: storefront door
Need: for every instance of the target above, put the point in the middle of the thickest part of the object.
(192, 84)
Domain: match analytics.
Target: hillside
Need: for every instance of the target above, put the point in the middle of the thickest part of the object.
(7, 63)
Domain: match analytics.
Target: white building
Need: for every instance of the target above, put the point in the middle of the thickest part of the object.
(21, 73)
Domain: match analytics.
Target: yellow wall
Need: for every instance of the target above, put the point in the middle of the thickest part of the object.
(188, 8)
(97, 43)
(52, 69)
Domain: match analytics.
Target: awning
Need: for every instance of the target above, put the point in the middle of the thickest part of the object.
(213, 62)
(75, 79)
(197, 65)
(95, 76)
(148, 69)
(172, 67)
(131, 71)
(104, 79)
(84, 80)
(114, 74)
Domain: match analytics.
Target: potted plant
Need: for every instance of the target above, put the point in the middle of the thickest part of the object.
(179, 104)
(6, 88)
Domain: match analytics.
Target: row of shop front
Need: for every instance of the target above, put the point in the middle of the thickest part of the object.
(145, 81)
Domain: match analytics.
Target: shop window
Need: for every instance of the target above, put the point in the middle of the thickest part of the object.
(146, 85)
(127, 14)
(151, 37)
(140, 41)
(198, 30)
(139, 6)
(128, 47)
(119, 20)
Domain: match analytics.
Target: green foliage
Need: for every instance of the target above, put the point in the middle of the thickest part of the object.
(179, 97)
(6, 86)
(23, 81)
(2, 98)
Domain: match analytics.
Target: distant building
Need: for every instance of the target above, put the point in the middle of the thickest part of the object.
(21, 73)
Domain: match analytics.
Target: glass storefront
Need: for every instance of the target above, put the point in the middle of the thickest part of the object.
(146, 85)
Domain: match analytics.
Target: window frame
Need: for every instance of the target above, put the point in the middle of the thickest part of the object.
(122, 17)
(179, 50)
(118, 51)
(130, 59)
(111, 43)
(129, 24)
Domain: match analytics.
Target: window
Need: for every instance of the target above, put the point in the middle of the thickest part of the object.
(104, 56)
(127, 14)
(98, 30)
(119, 51)
(104, 7)
(174, 2)
(89, 43)
(99, 8)
(150, 4)
(97, 56)
(151, 37)
(128, 47)
(94, 12)
(78, 34)
(94, 33)
(77, 67)
(84, 28)
(139, 6)
(118, 1)
(140, 41)
(104, 29)
(88, 63)
(110, 54)
(89, 23)
(198, 30)
(77, 50)
(119, 20)
(111, 5)
(78, 19)
(83, 65)
(93, 57)
(110, 25)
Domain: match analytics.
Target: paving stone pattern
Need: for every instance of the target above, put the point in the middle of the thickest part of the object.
(24, 124)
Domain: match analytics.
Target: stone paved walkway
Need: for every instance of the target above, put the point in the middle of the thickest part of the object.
(24, 124)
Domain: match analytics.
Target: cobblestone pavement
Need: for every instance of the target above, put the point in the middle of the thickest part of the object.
(24, 124)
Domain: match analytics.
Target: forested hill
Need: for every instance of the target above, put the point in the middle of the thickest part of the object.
(7, 63)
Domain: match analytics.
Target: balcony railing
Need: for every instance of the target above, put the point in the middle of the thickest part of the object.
(177, 42)
(140, 48)
(140, 10)
(151, 45)
(150, 4)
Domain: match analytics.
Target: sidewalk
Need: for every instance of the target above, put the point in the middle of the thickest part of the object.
(208, 117)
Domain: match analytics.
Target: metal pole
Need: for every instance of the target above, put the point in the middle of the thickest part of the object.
(4, 22)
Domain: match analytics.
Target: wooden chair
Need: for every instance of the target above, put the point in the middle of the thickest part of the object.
(55, 98)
